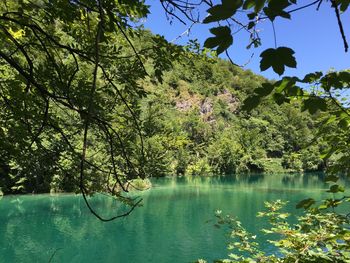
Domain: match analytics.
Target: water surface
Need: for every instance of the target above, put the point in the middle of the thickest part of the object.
(175, 223)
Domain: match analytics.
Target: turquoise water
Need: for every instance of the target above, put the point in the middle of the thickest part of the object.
(175, 223)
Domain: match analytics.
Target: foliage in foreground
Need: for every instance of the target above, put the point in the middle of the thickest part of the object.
(318, 236)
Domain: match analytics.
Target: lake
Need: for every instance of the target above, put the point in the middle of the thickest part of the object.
(175, 223)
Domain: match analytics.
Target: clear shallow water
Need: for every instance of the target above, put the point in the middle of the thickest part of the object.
(175, 223)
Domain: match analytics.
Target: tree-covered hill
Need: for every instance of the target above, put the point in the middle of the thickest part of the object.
(194, 124)
(191, 123)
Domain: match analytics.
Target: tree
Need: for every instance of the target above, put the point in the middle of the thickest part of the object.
(70, 90)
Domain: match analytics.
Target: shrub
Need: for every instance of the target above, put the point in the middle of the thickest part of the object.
(319, 236)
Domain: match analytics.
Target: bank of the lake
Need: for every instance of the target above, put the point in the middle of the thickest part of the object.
(175, 223)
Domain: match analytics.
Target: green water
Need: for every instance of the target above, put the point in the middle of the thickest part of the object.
(173, 225)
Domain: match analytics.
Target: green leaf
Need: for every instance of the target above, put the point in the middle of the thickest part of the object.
(331, 178)
(344, 123)
(286, 55)
(221, 30)
(306, 203)
(331, 80)
(265, 90)
(344, 4)
(285, 83)
(257, 4)
(224, 11)
(325, 154)
(248, 4)
(313, 104)
(276, 8)
(280, 98)
(344, 76)
(336, 189)
(251, 16)
(278, 59)
(294, 91)
(222, 40)
(217, 13)
(312, 77)
(251, 103)
(251, 25)
(285, 15)
(323, 206)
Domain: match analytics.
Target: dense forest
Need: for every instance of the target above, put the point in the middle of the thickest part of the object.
(191, 124)
(92, 102)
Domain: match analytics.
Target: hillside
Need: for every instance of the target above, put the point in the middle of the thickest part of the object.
(180, 115)
(194, 125)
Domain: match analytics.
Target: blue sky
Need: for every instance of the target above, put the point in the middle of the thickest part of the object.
(313, 35)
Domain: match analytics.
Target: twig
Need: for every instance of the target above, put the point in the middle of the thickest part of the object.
(131, 45)
(340, 25)
(87, 116)
(274, 33)
(43, 123)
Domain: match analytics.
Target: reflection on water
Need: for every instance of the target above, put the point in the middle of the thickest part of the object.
(171, 226)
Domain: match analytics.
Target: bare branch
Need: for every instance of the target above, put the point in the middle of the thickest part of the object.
(340, 25)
